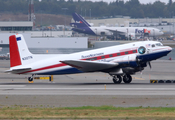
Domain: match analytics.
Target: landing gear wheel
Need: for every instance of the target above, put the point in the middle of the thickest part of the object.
(117, 79)
(30, 79)
(127, 78)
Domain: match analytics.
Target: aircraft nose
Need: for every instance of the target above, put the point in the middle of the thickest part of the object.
(169, 48)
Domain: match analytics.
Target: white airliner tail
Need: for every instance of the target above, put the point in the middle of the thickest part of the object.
(19, 52)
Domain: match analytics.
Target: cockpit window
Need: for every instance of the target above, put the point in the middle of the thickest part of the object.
(159, 44)
(153, 45)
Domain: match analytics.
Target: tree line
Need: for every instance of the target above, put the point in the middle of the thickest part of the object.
(132, 8)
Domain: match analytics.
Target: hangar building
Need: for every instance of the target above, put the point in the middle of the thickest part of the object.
(16, 26)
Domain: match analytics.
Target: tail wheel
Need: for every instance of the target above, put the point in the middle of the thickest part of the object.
(117, 79)
(127, 78)
(30, 79)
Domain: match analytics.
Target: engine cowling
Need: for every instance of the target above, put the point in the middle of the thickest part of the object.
(131, 70)
(130, 64)
(133, 61)
(104, 33)
(129, 60)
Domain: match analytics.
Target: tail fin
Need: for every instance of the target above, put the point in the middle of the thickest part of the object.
(79, 21)
(19, 53)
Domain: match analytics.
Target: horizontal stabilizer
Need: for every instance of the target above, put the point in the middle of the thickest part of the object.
(89, 66)
(78, 29)
(17, 70)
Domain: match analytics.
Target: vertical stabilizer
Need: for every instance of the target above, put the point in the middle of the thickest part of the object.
(14, 52)
(79, 21)
(19, 53)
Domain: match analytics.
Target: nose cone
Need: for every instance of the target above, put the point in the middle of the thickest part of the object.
(169, 48)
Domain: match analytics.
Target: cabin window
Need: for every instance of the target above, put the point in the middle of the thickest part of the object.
(102, 57)
(110, 55)
(134, 51)
(94, 58)
(159, 44)
(118, 54)
(153, 45)
(126, 53)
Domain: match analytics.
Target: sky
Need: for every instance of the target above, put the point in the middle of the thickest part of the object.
(141, 1)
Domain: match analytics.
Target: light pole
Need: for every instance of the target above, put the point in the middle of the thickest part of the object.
(170, 23)
(90, 15)
(153, 34)
(96, 33)
(127, 34)
(64, 18)
(173, 21)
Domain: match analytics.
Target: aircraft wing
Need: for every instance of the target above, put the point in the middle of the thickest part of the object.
(17, 70)
(116, 32)
(89, 66)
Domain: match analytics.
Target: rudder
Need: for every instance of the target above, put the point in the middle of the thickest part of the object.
(79, 21)
(19, 53)
(14, 52)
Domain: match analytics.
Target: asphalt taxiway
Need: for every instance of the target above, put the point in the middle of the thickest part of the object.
(94, 89)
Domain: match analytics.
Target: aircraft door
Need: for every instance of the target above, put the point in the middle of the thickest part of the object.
(149, 48)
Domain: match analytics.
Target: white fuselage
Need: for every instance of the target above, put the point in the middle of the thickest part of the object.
(50, 64)
(137, 31)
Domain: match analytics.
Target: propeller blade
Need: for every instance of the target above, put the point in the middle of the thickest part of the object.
(149, 63)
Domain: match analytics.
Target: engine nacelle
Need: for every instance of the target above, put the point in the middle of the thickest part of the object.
(128, 61)
(133, 60)
(106, 33)
(130, 70)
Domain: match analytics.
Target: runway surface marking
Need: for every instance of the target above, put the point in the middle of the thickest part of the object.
(138, 78)
(90, 88)
(11, 86)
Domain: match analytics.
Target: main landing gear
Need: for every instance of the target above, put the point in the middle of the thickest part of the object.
(117, 79)
(30, 79)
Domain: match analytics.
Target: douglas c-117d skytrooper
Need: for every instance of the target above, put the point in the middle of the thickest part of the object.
(119, 61)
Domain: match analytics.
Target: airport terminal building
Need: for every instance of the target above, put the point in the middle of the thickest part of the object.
(16, 26)
(40, 41)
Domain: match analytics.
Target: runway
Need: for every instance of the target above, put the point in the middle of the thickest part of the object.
(94, 89)
(86, 89)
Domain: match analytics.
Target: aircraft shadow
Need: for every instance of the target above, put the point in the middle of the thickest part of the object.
(74, 84)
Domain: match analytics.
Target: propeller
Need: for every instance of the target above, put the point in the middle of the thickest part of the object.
(138, 63)
(149, 63)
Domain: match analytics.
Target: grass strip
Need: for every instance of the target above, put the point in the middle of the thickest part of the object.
(87, 112)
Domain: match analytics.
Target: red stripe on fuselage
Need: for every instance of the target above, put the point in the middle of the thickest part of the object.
(44, 68)
(97, 58)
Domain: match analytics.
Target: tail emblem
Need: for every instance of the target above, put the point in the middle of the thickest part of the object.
(18, 38)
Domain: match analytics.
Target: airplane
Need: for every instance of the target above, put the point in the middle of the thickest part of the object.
(120, 61)
(82, 26)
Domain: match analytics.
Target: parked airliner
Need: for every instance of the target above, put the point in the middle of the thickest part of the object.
(82, 26)
(119, 61)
